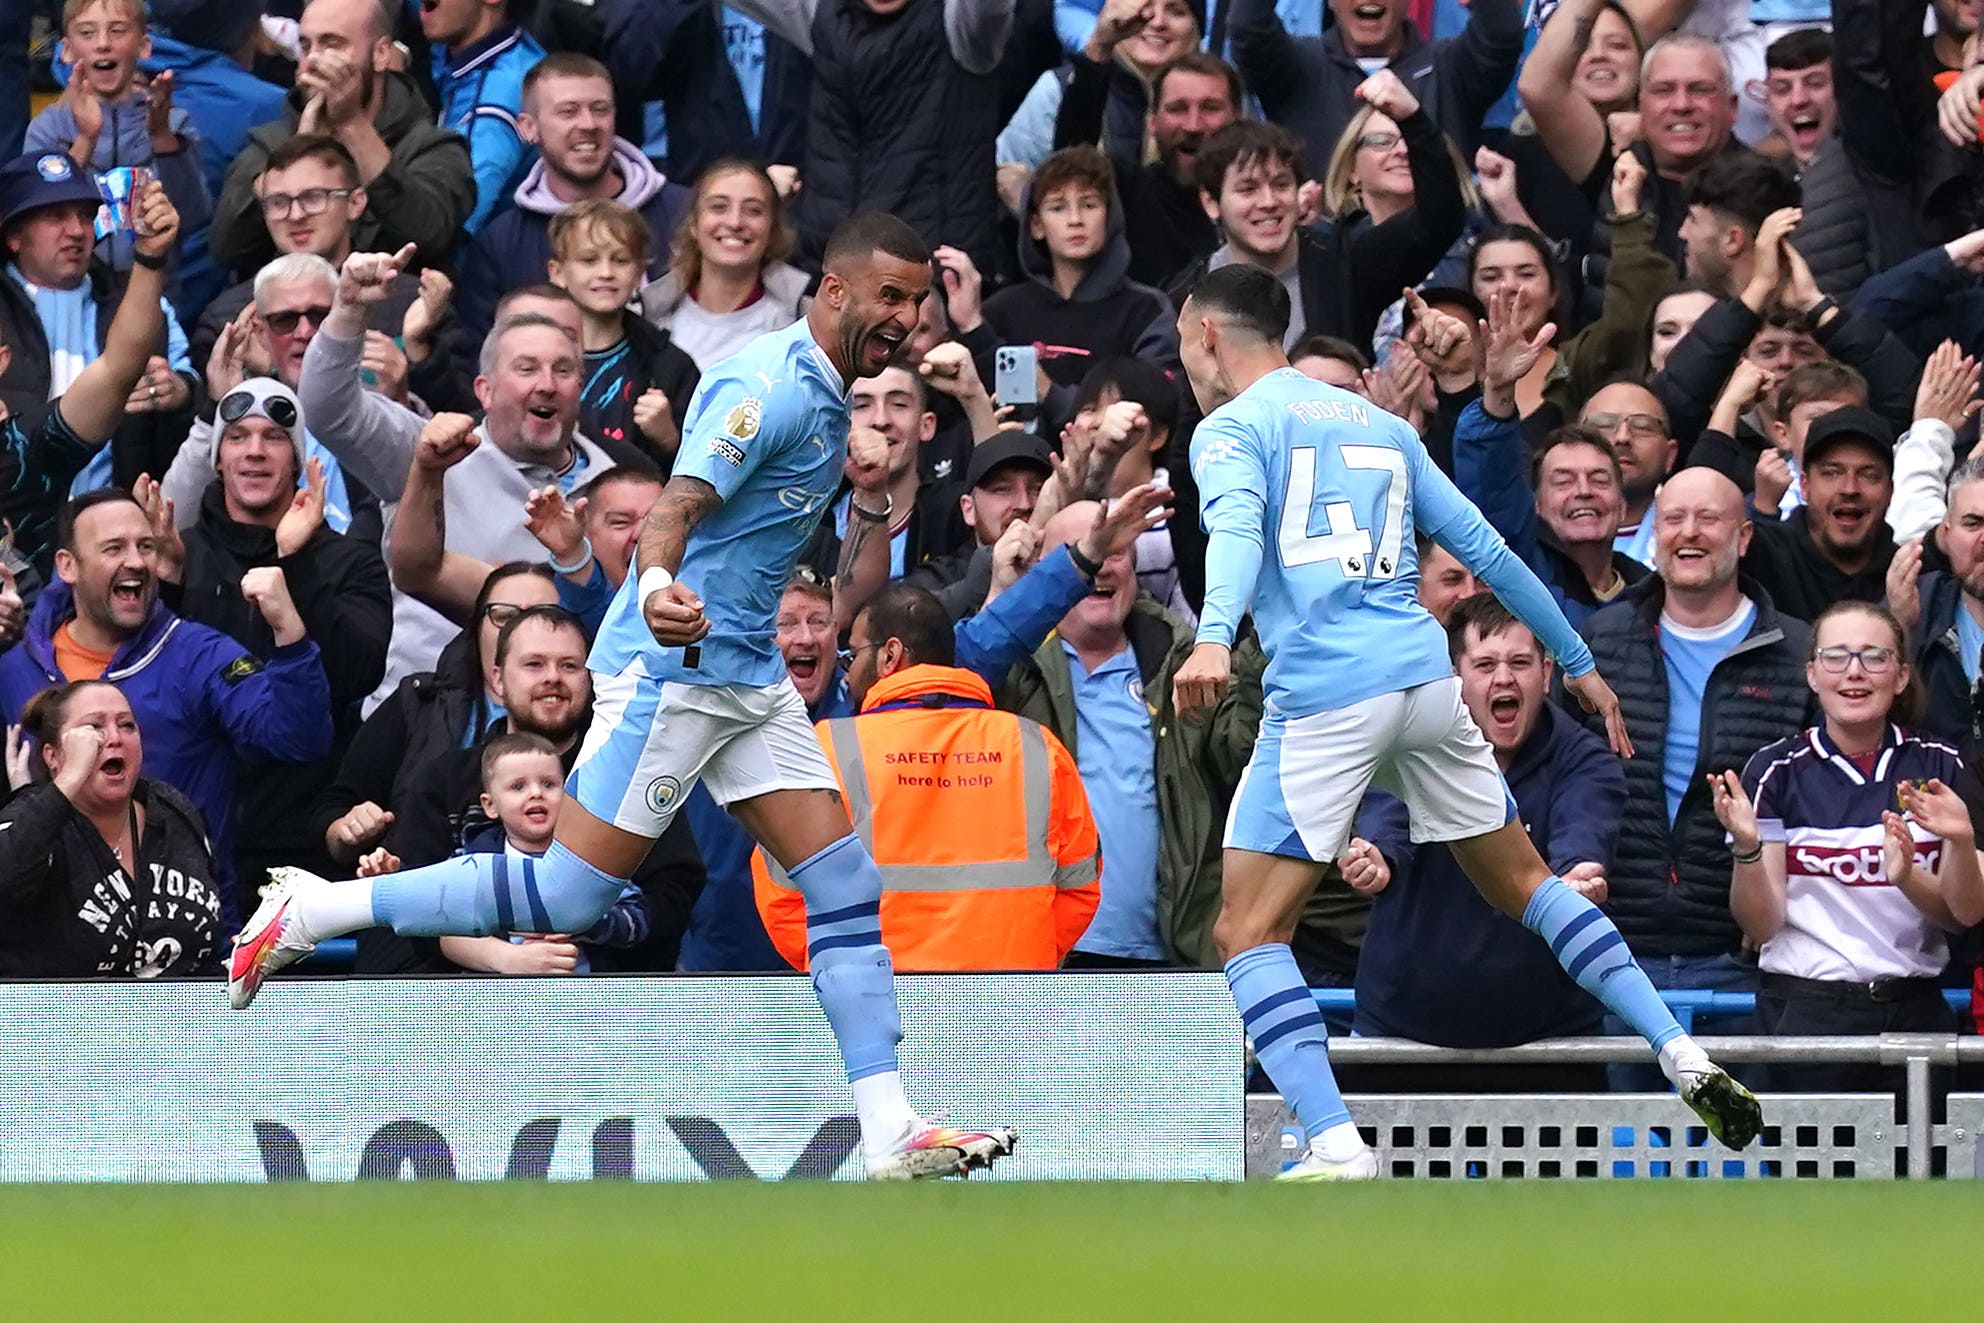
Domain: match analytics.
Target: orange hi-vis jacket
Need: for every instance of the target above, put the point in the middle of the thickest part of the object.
(976, 818)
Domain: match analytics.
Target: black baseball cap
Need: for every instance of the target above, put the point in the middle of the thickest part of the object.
(43, 179)
(1451, 296)
(1008, 448)
(1850, 423)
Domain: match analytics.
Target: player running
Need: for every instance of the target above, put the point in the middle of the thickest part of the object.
(688, 691)
(1310, 497)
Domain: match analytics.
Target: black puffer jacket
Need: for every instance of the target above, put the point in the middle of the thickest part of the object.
(1949, 706)
(899, 125)
(1670, 886)
(1836, 236)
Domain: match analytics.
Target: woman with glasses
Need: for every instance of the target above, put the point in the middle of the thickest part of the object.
(1396, 197)
(1850, 848)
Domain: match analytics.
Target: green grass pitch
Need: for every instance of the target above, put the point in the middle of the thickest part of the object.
(1673, 1251)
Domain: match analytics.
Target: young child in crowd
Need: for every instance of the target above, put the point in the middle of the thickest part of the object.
(637, 383)
(110, 117)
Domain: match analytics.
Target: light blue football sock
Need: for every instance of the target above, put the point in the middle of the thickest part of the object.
(852, 973)
(475, 895)
(1289, 1038)
(1593, 953)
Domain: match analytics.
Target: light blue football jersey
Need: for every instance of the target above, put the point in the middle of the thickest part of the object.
(768, 430)
(1320, 491)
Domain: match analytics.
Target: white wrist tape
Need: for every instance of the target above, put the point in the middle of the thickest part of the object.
(653, 580)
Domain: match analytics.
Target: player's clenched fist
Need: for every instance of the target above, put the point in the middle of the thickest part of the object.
(867, 459)
(675, 616)
(1201, 682)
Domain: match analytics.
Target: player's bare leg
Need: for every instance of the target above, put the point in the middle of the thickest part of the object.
(471, 895)
(1511, 876)
(809, 834)
(1262, 900)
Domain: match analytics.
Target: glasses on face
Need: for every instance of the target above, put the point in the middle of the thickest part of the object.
(846, 656)
(1874, 661)
(1639, 424)
(310, 202)
(500, 614)
(285, 323)
(1379, 142)
(236, 405)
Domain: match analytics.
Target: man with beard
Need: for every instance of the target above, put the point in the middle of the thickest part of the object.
(1707, 672)
(255, 517)
(540, 678)
(529, 393)
(415, 173)
(1191, 98)
(481, 60)
(1728, 201)
(1837, 546)
(204, 700)
(692, 690)
(568, 115)
(1632, 418)
(1488, 981)
(980, 868)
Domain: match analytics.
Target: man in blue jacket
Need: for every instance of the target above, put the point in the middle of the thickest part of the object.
(480, 61)
(1441, 965)
(201, 698)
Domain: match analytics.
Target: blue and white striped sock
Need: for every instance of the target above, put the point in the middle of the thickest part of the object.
(1593, 953)
(1289, 1037)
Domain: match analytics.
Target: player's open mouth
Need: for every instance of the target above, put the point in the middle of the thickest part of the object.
(882, 346)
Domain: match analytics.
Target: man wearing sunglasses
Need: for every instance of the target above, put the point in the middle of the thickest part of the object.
(255, 518)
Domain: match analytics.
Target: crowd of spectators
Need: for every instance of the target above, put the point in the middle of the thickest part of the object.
(344, 345)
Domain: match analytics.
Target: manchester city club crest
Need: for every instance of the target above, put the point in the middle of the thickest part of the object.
(662, 792)
(54, 167)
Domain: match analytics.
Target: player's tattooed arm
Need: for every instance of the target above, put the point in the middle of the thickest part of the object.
(683, 503)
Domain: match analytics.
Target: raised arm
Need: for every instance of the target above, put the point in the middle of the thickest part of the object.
(863, 568)
(423, 568)
(1572, 130)
(372, 437)
(93, 405)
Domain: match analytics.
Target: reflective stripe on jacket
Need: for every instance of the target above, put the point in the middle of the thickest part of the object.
(976, 818)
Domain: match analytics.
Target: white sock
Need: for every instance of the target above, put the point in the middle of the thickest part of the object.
(1339, 1143)
(886, 1116)
(1682, 1053)
(332, 909)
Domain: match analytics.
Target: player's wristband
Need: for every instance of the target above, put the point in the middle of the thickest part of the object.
(585, 559)
(653, 580)
(881, 516)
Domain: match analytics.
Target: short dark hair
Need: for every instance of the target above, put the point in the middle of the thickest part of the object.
(1137, 380)
(564, 64)
(1821, 379)
(1247, 295)
(315, 147)
(1246, 142)
(502, 746)
(915, 618)
(44, 714)
(1799, 50)
(617, 474)
(1081, 164)
(1745, 187)
(1485, 615)
(1574, 435)
(557, 617)
(1330, 346)
(65, 536)
(866, 233)
(1200, 62)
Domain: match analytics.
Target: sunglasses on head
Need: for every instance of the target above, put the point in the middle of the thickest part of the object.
(285, 323)
(237, 405)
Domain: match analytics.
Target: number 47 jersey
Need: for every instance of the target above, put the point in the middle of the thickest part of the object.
(1330, 489)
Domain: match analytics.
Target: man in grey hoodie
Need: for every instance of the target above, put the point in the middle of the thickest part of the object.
(568, 116)
(527, 439)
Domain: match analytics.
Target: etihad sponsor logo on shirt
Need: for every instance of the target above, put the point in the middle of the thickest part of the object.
(1860, 866)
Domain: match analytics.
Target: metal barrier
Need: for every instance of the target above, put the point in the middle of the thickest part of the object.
(1686, 1003)
(1823, 1136)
